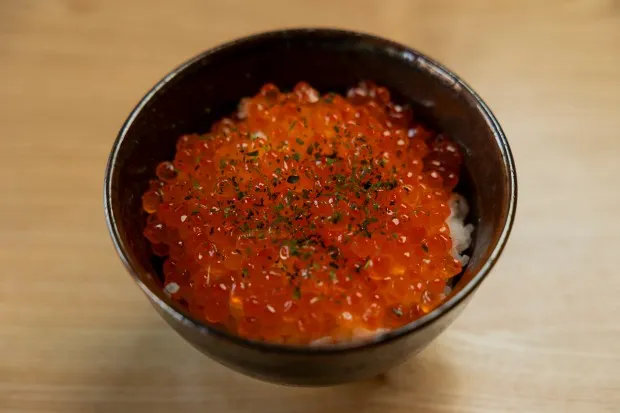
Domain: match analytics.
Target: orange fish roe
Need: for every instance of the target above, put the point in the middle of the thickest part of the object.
(307, 217)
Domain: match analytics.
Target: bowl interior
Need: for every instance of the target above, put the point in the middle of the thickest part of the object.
(210, 86)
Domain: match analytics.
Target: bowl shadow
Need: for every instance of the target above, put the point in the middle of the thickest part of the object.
(157, 371)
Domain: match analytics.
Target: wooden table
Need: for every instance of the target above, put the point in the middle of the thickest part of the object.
(542, 335)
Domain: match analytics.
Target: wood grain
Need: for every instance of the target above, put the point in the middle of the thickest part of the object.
(76, 335)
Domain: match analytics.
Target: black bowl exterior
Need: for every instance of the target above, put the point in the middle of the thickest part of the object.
(311, 367)
(209, 87)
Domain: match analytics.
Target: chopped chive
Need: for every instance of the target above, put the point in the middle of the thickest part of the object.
(297, 293)
(336, 217)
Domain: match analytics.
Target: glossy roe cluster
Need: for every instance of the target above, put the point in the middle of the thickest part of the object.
(307, 217)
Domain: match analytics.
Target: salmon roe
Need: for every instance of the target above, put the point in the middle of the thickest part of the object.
(307, 217)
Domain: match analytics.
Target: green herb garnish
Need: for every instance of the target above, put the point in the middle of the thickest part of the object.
(332, 276)
(336, 217)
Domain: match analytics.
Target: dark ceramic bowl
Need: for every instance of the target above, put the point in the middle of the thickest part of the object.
(209, 87)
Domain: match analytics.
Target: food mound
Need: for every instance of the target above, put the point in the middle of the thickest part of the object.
(309, 219)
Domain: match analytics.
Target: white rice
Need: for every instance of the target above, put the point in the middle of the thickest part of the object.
(459, 232)
(171, 288)
(242, 109)
(323, 341)
(358, 334)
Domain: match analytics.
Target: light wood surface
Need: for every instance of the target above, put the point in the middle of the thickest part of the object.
(542, 334)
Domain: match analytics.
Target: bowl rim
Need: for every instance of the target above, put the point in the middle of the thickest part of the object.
(426, 63)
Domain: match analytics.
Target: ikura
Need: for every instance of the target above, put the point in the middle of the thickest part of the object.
(307, 217)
